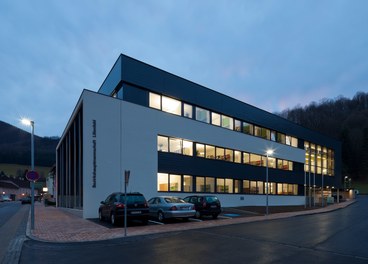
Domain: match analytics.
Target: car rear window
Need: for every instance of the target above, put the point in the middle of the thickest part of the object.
(174, 200)
(133, 199)
(211, 199)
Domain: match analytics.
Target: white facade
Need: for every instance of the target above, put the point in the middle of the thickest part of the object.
(119, 136)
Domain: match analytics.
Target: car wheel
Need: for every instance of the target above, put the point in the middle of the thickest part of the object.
(161, 216)
(198, 214)
(214, 216)
(100, 216)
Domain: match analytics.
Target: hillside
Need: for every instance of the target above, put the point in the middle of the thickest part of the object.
(15, 147)
(344, 119)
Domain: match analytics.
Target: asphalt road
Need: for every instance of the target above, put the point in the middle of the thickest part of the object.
(334, 237)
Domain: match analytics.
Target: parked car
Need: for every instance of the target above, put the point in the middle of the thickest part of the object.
(164, 207)
(113, 208)
(5, 198)
(25, 200)
(205, 205)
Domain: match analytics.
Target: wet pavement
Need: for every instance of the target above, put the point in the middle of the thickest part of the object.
(62, 225)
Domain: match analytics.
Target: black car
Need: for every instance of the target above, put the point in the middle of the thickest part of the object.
(113, 208)
(205, 205)
(25, 200)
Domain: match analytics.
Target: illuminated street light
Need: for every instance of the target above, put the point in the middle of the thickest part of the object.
(28, 122)
(269, 152)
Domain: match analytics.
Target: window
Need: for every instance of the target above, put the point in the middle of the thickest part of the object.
(294, 142)
(220, 153)
(205, 184)
(188, 183)
(175, 145)
(188, 111)
(162, 182)
(210, 152)
(260, 186)
(200, 184)
(155, 101)
(246, 186)
(288, 140)
(253, 187)
(265, 133)
(247, 128)
(171, 106)
(229, 155)
(187, 148)
(229, 186)
(227, 122)
(216, 119)
(237, 125)
(175, 183)
(255, 160)
(202, 115)
(281, 138)
(237, 156)
(162, 144)
(273, 136)
(237, 186)
(271, 162)
(200, 150)
(257, 131)
(246, 158)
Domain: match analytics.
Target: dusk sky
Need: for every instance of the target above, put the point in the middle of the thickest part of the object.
(271, 54)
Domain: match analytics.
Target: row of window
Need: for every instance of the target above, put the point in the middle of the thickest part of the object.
(319, 159)
(187, 183)
(176, 107)
(185, 147)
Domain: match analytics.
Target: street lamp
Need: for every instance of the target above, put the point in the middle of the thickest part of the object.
(269, 152)
(28, 122)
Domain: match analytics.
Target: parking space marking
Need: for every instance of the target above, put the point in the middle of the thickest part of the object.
(195, 220)
(225, 217)
(157, 223)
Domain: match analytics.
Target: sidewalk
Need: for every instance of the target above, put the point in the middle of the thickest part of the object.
(66, 225)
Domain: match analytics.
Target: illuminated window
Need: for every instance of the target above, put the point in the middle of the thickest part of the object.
(246, 186)
(162, 182)
(273, 135)
(253, 187)
(216, 119)
(205, 184)
(255, 160)
(281, 138)
(188, 111)
(229, 155)
(210, 152)
(200, 150)
(260, 187)
(220, 153)
(175, 145)
(188, 183)
(171, 106)
(294, 142)
(175, 183)
(202, 115)
(155, 101)
(162, 143)
(187, 148)
(237, 156)
(246, 158)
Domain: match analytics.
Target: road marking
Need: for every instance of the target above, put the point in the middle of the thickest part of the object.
(157, 223)
(195, 220)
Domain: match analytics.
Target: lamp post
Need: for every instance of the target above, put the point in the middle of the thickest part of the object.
(28, 122)
(269, 152)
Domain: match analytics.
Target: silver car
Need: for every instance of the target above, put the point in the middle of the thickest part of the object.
(164, 207)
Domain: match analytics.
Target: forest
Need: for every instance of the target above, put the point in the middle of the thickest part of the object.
(344, 119)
